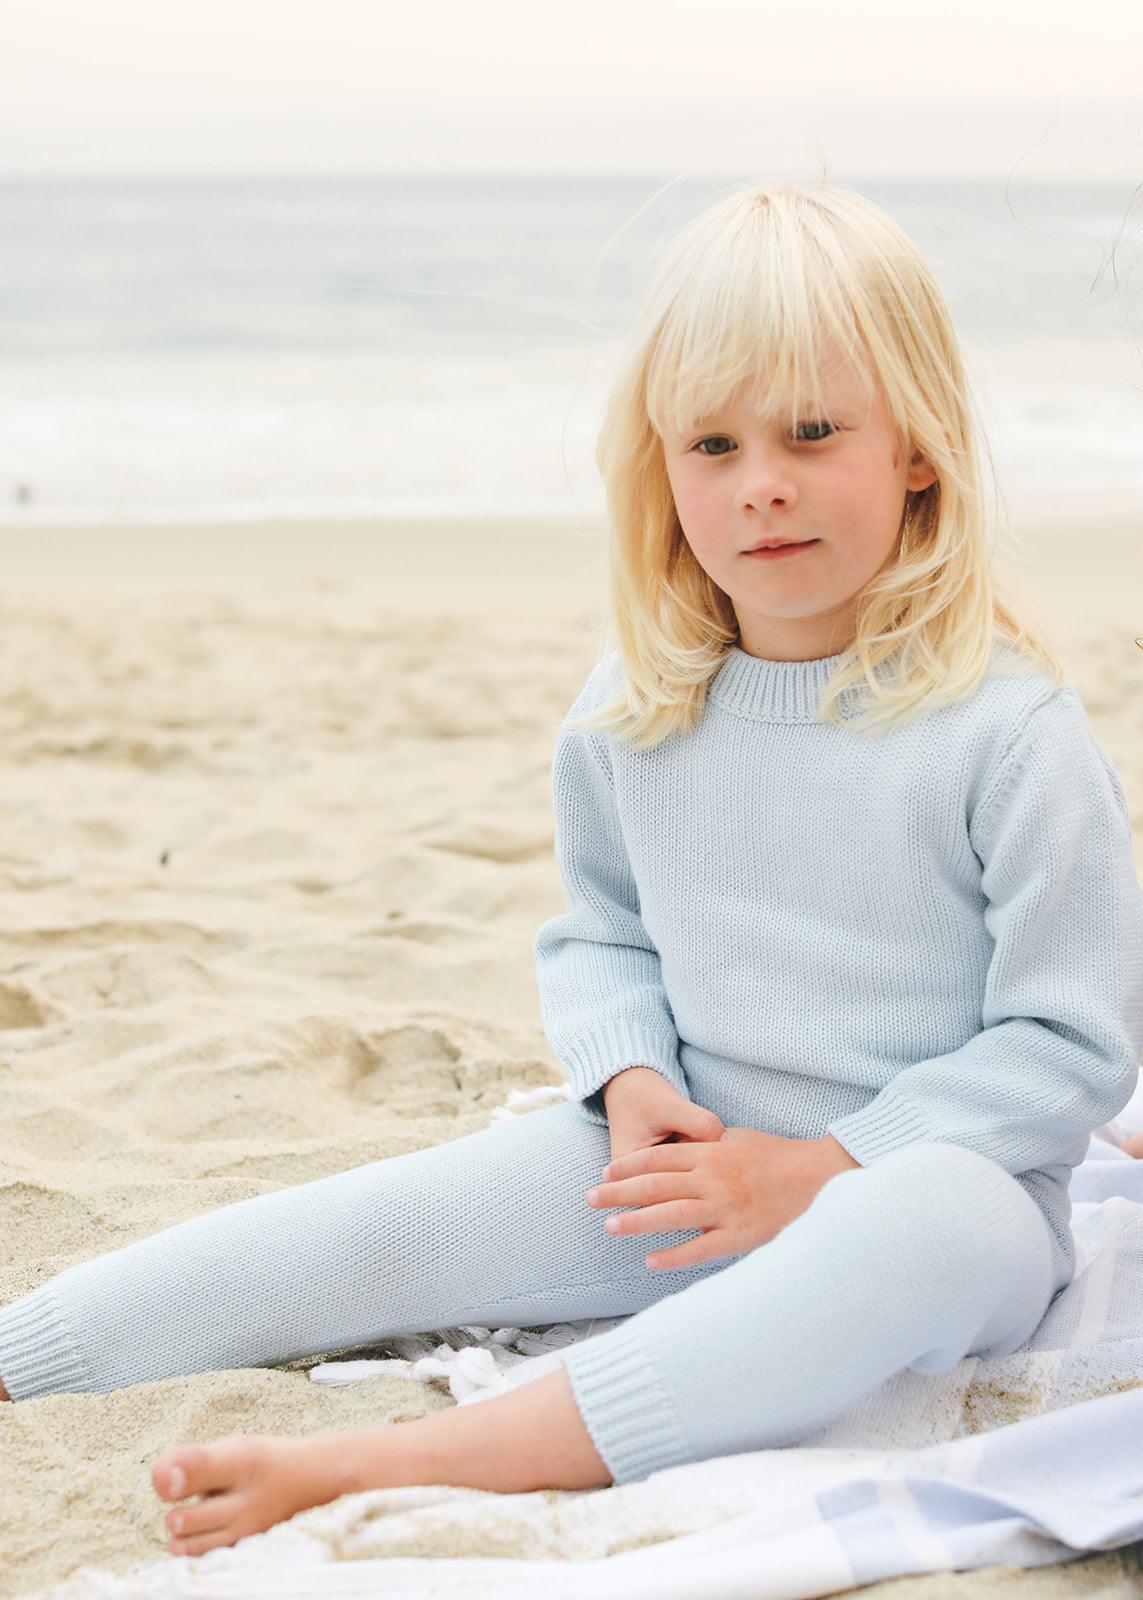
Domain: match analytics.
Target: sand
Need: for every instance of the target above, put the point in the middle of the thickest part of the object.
(277, 837)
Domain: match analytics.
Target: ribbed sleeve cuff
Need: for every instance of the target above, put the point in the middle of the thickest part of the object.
(879, 1128)
(38, 1354)
(624, 1406)
(593, 1061)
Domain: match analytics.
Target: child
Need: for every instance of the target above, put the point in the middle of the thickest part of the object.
(851, 968)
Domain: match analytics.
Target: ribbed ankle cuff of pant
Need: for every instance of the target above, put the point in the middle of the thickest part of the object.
(38, 1354)
(624, 1405)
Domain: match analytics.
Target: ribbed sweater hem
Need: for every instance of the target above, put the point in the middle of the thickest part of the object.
(880, 1128)
(594, 1061)
(38, 1353)
(624, 1406)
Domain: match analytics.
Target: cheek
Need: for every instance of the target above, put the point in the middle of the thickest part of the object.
(700, 508)
(864, 501)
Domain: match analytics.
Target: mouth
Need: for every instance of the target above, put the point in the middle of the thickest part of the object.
(780, 547)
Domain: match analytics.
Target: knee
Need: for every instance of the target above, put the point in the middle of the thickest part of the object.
(939, 1161)
(928, 1168)
(944, 1196)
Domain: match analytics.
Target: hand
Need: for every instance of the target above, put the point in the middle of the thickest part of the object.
(741, 1190)
(643, 1109)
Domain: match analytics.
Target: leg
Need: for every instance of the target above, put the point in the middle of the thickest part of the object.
(492, 1228)
(929, 1255)
(932, 1254)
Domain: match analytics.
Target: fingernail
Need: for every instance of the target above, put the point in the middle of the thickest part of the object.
(612, 1223)
(592, 1196)
(177, 1481)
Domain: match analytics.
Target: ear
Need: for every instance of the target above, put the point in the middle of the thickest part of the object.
(920, 474)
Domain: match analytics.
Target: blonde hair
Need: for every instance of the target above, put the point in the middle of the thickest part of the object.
(751, 290)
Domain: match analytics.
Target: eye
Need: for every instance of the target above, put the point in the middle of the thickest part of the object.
(820, 439)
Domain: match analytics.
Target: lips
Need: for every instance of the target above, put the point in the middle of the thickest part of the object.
(779, 544)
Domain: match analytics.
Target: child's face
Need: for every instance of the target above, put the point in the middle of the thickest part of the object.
(737, 480)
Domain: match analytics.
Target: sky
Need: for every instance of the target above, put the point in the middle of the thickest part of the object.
(982, 88)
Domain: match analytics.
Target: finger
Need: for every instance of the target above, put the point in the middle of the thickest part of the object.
(681, 1157)
(701, 1124)
(644, 1190)
(686, 1255)
(663, 1218)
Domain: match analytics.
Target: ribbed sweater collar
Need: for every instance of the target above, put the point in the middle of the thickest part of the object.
(772, 691)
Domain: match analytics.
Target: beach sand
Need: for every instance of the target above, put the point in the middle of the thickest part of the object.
(277, 838)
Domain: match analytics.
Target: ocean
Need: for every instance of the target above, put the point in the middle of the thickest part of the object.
(188, 348)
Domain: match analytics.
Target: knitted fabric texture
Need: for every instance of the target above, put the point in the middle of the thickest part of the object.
(931, 934)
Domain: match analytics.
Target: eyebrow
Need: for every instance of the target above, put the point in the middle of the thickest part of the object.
(835, 403)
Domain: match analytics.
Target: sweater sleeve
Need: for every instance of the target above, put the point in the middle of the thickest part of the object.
(602, 1000)
(1062, 1024)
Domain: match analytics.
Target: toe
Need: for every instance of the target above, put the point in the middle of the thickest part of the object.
(178, 1472)
(198, 1544)
(213, 1515)
(193, 1469)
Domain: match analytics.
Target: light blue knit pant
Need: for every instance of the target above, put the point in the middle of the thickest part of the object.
(927, 1255)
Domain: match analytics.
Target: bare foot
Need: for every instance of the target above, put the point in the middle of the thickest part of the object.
(1133, 1145)
(247, 1483)
(532, 1437)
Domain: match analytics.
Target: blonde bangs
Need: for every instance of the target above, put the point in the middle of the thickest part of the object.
(753, 310)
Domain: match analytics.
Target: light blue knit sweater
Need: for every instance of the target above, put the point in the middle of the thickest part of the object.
(935, 933)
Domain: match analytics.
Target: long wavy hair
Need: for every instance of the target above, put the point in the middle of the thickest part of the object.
(753, 290)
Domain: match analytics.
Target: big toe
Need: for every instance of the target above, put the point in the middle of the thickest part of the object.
(188, 1470)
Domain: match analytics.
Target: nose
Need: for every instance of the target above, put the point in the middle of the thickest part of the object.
(765, 480)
